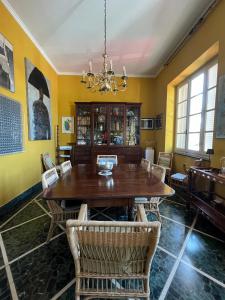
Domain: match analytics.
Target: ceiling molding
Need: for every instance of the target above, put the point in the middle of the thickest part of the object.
(10, 9)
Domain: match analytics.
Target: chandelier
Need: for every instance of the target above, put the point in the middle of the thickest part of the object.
(105, 81)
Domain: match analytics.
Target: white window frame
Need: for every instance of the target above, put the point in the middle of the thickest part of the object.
(186, 151)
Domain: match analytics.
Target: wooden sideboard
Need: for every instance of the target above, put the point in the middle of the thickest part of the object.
(85, 154)
(205, 201)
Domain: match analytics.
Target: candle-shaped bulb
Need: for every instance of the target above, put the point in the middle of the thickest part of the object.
(90, 66)
(124, 71)
(111, 65)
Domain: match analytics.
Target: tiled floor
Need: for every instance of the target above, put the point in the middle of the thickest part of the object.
(189, 262)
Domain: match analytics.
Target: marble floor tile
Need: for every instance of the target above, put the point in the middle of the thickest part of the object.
(13, 210)
(206, 254)
(1, 259)
(204, 225)
(26, 237)
(180, 196)
(29, 212)
(5, 293)
(69, 294)
(44, 272)
(176, 212)
(161, 267)
(190, 285)
(44, 204)
(172, 236)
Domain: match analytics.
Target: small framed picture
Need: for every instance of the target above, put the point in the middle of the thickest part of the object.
(67, 124)
(147, 123)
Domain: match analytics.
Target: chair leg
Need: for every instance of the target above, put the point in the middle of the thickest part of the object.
(51, 230)
(159, 216)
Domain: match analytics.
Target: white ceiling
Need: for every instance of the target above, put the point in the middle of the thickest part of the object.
(141, 33)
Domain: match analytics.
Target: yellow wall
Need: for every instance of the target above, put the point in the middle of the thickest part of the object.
(71, 90)
(18, 172)
(211, 32)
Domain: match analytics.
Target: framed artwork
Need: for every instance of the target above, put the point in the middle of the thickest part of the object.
(39, 103)
(11, 129)
(6, 64)
(147, 123)
(220, 109)
(67, 124)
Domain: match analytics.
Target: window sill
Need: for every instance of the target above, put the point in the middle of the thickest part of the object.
(193, 155)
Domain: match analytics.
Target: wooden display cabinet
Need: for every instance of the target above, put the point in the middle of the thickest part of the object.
(107, 128)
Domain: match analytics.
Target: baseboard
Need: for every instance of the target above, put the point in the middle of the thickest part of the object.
(28, 194)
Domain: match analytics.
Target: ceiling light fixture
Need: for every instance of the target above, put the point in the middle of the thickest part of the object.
(105, 81)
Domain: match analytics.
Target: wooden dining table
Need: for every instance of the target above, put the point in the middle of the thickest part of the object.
(83, 184)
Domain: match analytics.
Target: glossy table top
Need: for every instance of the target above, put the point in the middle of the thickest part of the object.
(126, 181)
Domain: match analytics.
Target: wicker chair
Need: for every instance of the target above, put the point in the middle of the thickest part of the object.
(166, 160)
(112, 259)
(152, 205)
(65, 166)
(146, 164)
(59, 215)
(47, 162)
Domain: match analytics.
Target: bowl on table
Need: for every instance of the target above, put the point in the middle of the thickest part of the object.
(107, 166)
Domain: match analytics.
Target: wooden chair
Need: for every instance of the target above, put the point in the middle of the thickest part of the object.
(146, 164)
(59, 215)
(166, 160)
(112, 259)
(65, 166)
(151, 205)
(180, 179)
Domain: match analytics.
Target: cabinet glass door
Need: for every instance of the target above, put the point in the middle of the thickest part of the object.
(100, 125)
(117, 125)
(83, 125)
(132, 125)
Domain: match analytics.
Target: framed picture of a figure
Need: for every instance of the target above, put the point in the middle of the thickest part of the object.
(67, 124)
(39, 103)
(6, 64)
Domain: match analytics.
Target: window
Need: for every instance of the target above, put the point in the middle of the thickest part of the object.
(196, 98)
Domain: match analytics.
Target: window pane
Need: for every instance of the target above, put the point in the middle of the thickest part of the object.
(195, 123)
(180, 142)
(196, 105)
(211, 99)
(193, 141)
(212, 76)
(209, 121)
(182, 109)
(197, 85)
(181, 125)
(182, 93)
(208, 141)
